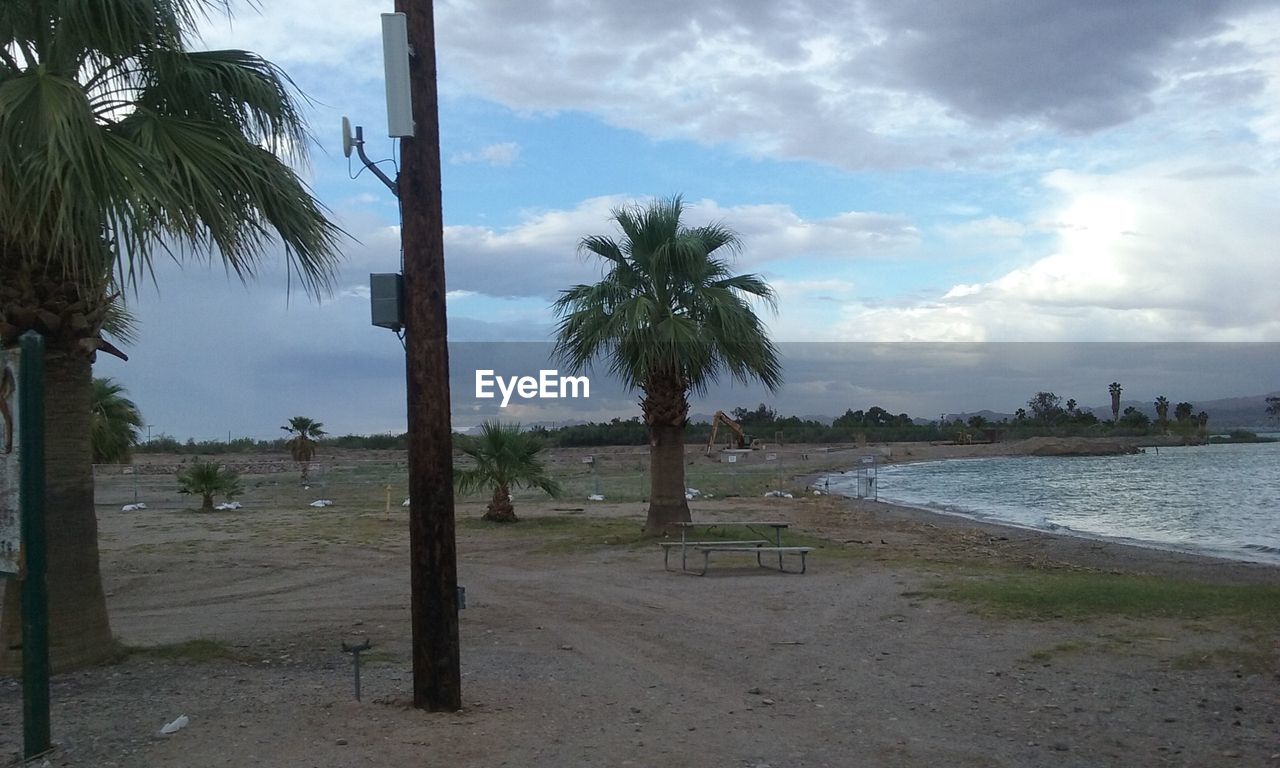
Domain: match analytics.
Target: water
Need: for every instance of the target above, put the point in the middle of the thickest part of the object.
(1216, 499)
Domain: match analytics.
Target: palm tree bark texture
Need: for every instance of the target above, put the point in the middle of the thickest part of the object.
(666, 411)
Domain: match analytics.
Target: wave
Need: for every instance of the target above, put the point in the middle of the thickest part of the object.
(1264, 548)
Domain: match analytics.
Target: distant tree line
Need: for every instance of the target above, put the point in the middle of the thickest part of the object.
(1045, 414)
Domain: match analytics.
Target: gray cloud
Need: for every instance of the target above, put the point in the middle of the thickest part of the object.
(1078, 66)
(866, 84)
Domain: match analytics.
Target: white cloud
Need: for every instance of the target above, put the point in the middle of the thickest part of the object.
(986, 228)
(539, 256)
(1140, 255)
(496, 155)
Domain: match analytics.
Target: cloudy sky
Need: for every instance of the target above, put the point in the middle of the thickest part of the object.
(900, 171)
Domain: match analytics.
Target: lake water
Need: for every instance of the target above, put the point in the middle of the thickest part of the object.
(1217, 499)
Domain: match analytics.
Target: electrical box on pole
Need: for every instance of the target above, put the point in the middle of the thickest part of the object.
(386, 300)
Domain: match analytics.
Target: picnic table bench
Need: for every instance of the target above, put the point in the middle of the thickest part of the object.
(758, 546)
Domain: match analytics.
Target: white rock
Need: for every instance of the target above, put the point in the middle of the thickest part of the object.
(322, 503)
(133, 507)
(595, 497)
(178, 724)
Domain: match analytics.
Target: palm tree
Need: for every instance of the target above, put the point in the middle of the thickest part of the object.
(209, 480)
(1115, 389)
(1162, 412)
(505, 458)
(670, 318)
(118, 143)
(114, 423)
(302, 446)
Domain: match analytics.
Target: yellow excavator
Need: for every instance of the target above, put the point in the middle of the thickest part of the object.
(739, 439)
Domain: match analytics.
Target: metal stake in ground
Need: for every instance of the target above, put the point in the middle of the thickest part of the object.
(355, 651)
(35, 592)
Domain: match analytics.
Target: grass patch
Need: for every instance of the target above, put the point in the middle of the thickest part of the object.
(1060, 649)
(560, 534)
(198, 651)
(1085, 595)
(1249, 661)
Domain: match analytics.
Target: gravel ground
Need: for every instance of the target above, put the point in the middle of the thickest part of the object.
(596, 656)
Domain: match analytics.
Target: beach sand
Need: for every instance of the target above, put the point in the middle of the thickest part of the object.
(579, 651)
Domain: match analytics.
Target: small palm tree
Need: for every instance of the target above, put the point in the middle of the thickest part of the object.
(505, 458)
(302, 446)
(114, 423)
(670, 318)
(209, 480)
(1115, 389)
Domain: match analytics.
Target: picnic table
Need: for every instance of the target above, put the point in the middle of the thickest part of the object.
(759, 546)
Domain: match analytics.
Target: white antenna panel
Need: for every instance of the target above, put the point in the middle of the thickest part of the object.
(395, 62)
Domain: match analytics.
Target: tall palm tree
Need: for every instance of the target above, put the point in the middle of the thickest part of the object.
(670, 318)
(114, 423)
(117, 142)
(1115, 389)
(302, 446)
(1162, 412)
(505, 458)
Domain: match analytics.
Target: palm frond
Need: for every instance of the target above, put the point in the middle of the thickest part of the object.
(503, 455)
(668, 305)
(113, 133)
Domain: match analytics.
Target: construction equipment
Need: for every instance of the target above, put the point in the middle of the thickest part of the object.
(739, 439)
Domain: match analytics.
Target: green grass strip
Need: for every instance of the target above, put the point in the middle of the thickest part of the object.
(1076, 595)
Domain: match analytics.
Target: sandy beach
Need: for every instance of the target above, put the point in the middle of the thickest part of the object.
(578, 648)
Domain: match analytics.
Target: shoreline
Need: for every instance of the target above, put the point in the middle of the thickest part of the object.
(1097, 553)
(1087, 549)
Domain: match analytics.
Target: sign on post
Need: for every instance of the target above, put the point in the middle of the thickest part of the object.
(10, 470)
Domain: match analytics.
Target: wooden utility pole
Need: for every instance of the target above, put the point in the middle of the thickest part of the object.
(437, 679)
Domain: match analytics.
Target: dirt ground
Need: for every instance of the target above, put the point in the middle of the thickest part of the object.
(579, 650)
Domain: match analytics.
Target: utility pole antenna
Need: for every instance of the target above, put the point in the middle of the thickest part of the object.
(437, 679)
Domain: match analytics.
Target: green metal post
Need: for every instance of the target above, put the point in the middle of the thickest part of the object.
(35, 590)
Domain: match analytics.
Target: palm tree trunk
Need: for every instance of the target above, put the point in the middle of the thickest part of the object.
(667, 503)
(79, 631)
(500, 507)
(666, 408)
(206, 504)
